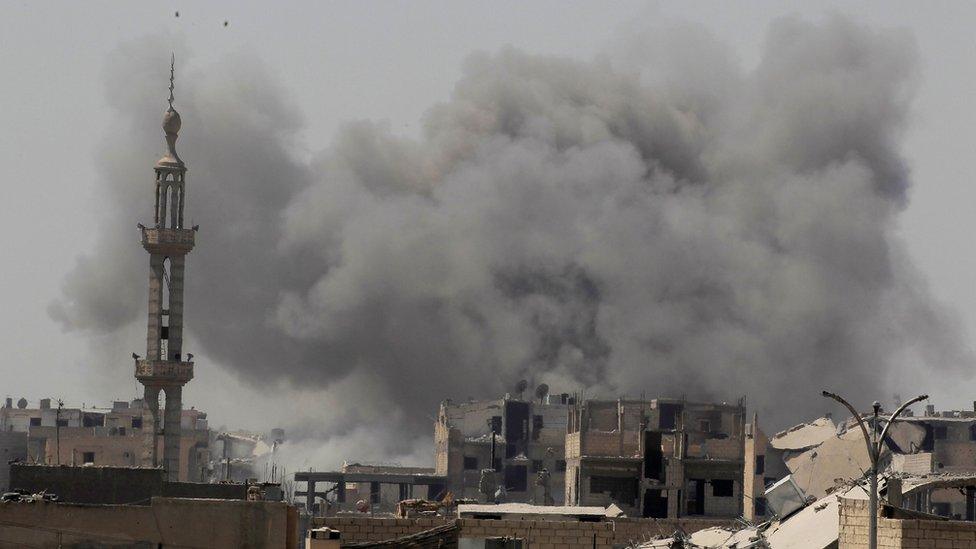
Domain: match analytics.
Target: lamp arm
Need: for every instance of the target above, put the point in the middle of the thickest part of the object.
(884, 432)
(860, 422)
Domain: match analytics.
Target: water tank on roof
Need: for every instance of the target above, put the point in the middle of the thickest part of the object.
(45, 403)
(22, 403)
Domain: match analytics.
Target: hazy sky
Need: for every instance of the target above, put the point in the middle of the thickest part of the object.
(342, 61)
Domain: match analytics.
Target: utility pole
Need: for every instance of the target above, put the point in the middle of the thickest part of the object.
(874, 443)
(57, 429)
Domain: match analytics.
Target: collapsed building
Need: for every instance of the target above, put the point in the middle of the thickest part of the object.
(385, 496)
(662, 458)
(840, 519)
(242, 456)
(523, 441)
(820, 454)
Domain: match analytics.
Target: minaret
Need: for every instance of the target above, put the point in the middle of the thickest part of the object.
(168, 242)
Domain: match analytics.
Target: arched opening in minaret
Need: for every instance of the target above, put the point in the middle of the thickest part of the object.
(160, 179)
(164, 317)
(174, 205)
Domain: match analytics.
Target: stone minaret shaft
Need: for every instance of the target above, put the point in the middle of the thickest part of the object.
(164, 369)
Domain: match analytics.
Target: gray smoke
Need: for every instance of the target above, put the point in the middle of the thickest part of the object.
(659, 220)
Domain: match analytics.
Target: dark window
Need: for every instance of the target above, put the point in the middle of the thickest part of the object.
(93, 420)
(620, 489)
(655, 504)
(537, 425)
(653, 456)
(941, 432)
(62, 423)
(704, 426)
(561, 465)
(137, 423)
(696, 496)
(470, 463)
(122, 431)
(537, 465)
(374, 492)
(516, 478)
(721, 488)
(496, 424)
(669, 416)
(516, 420)
(511, 449)
(88, 457)
(760, 465)
(35, 422)
(972, 432)
(760, 507)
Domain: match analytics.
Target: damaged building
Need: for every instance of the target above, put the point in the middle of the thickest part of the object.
(765, 461)
(529, 446)
(662, 458)
(386, 496)
(240, 456)
(820, 455)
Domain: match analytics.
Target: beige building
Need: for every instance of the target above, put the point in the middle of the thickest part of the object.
(662, 458)
(97, 436)
(530, 437)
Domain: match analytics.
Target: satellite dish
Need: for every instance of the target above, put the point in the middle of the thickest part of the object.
(521, 387)
(541, 391)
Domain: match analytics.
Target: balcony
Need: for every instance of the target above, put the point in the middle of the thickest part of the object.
(163, 371)
(168, 241)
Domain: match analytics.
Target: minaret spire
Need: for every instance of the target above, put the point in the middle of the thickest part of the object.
(172, 72)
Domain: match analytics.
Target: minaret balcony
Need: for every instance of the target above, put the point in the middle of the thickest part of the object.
(163, 371)
(167, 241)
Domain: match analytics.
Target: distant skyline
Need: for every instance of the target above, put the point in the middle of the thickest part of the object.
(387, 62)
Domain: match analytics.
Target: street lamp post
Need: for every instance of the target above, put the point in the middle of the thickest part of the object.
(874, 443)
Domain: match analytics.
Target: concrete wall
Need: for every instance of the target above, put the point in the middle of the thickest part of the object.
(12, 446)
(165, 523)
(538, 534)
(113, 485)
(89, 484)
(901, 533)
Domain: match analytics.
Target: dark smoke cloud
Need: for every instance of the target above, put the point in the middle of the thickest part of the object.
(660, 221)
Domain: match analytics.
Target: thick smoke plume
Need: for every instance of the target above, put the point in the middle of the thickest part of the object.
(660, 221)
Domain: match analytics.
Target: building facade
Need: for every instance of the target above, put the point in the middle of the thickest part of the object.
(99, 436)
(661, 458)
(529, 447)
